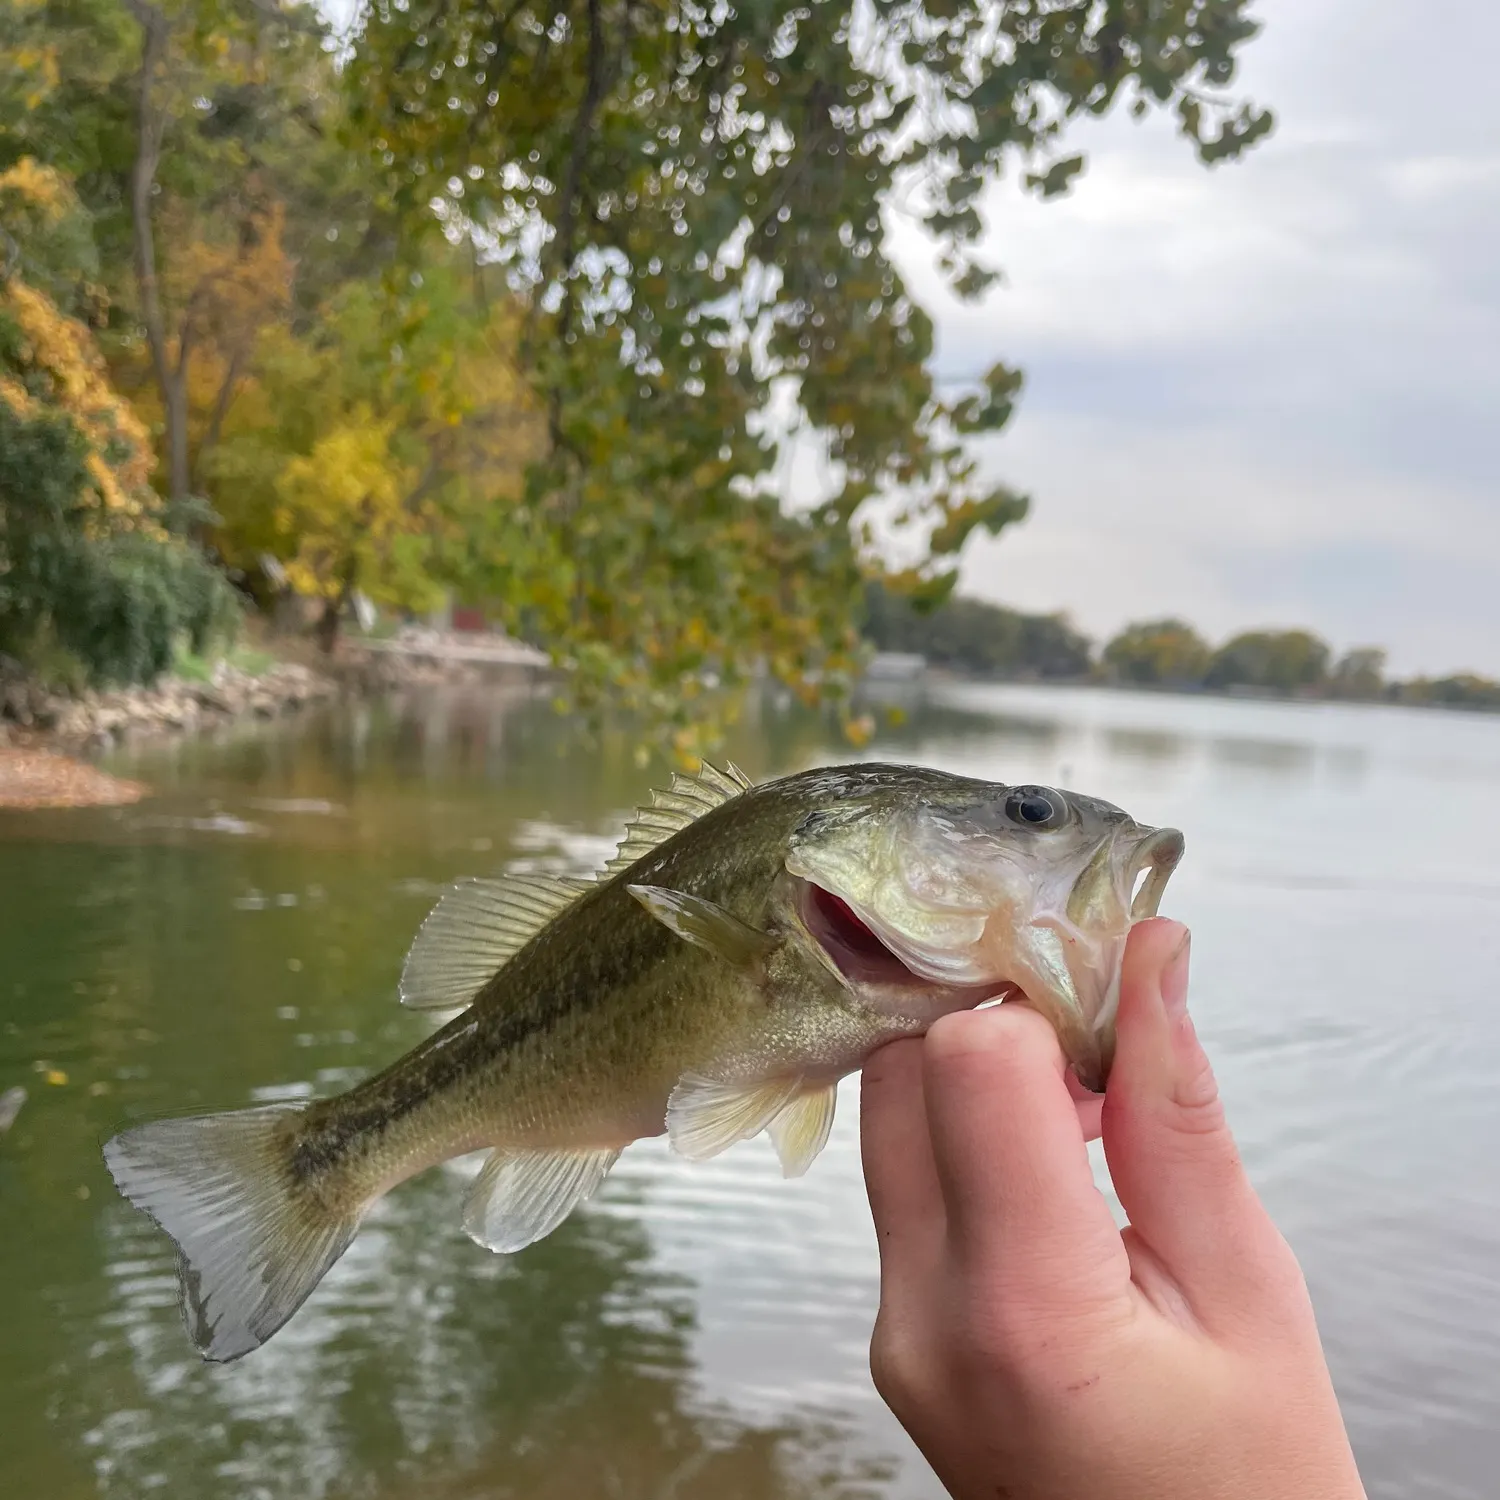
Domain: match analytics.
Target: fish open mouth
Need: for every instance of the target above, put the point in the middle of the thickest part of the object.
(858, 953)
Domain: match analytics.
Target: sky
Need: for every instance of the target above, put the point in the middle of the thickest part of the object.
(1266, 393)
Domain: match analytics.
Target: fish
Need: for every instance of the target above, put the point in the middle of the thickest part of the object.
(746, 948)
(11, 1103)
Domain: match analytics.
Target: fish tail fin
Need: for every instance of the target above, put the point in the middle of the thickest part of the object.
(253, 1241)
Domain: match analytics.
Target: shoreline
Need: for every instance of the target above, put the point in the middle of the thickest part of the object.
(934, 674)
(46, 736)
(33, 779)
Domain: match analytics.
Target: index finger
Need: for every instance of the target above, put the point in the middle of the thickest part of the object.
(1011, 1158)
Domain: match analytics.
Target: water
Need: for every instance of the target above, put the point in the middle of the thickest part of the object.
(701, 1331)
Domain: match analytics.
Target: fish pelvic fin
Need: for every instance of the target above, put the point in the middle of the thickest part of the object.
(800, 1131)
(706, 1116)
(253, 1241)
(704, 924)
(521, 1196)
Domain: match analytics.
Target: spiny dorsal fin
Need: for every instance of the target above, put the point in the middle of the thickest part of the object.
(683, 802)
(474, 929)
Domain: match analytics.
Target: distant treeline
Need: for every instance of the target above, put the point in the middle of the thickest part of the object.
(970, 636)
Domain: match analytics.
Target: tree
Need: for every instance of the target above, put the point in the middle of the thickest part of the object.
(86, 567)
(1462, 690)
(1162, 653)
(1360, 674)
(384, 447)
(691, 202)
(221, 286)
(1281, 661)
(974, 636)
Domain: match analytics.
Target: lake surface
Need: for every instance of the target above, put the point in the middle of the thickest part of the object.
(702, 1330)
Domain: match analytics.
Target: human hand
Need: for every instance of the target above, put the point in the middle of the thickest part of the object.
(1032, 1350)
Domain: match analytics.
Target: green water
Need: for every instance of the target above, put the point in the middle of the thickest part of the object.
(702, 1331)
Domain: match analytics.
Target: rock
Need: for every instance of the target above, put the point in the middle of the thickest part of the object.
(99, 718)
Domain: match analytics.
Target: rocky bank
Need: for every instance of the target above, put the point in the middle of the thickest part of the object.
(97, 719)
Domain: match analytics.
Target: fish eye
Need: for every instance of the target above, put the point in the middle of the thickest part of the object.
(1036, 807)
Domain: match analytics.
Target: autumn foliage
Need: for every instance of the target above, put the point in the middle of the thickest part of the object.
(536, 310)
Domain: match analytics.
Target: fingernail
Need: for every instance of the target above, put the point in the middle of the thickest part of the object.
(1174, 978)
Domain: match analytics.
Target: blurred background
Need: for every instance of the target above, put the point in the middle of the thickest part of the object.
(424, 424)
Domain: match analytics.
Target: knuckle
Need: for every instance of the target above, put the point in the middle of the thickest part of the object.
(894, 1364)
(1282, 1285)
(1197, 1107)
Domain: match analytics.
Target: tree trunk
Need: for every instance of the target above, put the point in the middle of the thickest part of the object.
(326, 631)
(175, 405)
(327, 628)
(150, 123)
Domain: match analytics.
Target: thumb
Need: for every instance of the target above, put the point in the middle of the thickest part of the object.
(1171, 1155)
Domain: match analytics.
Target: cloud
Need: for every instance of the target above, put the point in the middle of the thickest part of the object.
(1268, 391)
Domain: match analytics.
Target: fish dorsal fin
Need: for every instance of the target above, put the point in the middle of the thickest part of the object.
(474, 929)
(801, 1129)
(683, 802)
(706, 1116)
(520, 1196)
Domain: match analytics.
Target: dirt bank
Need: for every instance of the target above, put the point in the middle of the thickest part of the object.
(31, 778)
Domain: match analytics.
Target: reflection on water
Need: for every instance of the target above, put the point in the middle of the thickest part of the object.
(701, 1331)
(1278, 758)
(434, 1371)
(1145, 744)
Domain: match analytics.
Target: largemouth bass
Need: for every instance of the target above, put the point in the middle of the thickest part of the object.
(746, 948)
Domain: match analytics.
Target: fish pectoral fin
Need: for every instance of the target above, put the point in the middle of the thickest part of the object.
(474, 929)
(521, 1196)
(800, 1130)
(705, 1116)
(705, 924)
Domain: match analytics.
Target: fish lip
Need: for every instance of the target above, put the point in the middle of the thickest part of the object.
(1160, 852)
(1095, 959)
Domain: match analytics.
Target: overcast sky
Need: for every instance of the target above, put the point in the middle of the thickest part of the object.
(1266, 393)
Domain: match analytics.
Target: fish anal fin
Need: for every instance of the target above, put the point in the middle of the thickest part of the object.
(475, 929)
(704, 924)
(706, 1116)
(521, 1196)
(682, 803)
(800, 1130)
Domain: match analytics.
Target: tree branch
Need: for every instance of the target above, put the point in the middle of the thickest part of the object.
(583, 125)
(150, 127)
(222, 402)
(149, 124)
